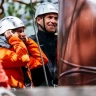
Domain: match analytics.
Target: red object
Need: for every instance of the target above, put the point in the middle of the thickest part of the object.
(3, 78)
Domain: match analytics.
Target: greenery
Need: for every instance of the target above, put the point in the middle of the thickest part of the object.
(19, 8)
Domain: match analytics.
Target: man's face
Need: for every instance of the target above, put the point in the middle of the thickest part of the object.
(50, 22)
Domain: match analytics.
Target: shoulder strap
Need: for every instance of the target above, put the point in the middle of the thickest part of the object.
(27, 80)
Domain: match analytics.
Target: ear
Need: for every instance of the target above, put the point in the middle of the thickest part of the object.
(39, 20)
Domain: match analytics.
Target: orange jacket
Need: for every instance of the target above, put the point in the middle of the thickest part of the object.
(35, 58)
(14, 58)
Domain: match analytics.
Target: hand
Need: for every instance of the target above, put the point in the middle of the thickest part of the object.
(8, 34)
(24, 38)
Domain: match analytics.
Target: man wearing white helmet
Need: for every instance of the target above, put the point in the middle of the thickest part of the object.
(14, 52)
(46, 17)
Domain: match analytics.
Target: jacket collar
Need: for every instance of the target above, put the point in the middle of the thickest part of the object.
(4, 43)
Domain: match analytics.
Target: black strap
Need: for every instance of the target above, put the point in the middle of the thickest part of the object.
(27, 80)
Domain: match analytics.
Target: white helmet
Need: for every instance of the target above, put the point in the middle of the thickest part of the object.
(44, 8)
(10, 22)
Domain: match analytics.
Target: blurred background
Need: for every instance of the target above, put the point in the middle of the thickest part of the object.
(24, 9)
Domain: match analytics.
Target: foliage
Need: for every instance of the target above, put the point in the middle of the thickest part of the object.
(19, 8)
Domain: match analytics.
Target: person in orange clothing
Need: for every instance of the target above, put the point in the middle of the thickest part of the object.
(17, 51)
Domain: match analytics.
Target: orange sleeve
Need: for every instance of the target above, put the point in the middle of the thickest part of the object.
(19, 48)
(35, 58)
(16, 56)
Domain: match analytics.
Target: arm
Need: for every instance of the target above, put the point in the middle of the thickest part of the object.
(35, 59)
(19, 48)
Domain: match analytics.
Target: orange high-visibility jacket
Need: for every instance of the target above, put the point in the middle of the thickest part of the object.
(14, 58)
(35, 58)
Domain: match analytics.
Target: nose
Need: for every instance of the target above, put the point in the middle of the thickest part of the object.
(54, 20)
(23, 34)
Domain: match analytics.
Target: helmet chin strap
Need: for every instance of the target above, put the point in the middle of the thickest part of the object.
(43, 28)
